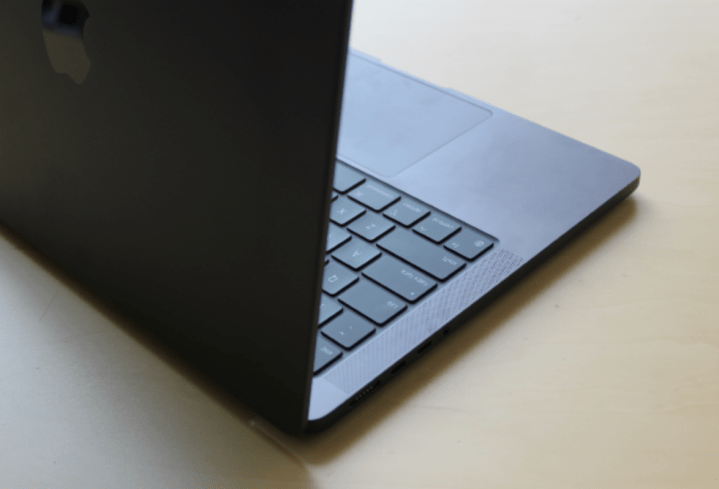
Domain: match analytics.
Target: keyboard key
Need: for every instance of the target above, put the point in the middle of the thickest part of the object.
(356, 254)
(336, 236)
(371, 226)
(346, 179)
(334, 195)
(374, 195)
(419, 252)
(406, 212)
(328, 309)
(348, 330)
(344, 210)
(325, 353)
(400, 278)
(469, 244)
(337, 278)
(373, 302)
(437, 228)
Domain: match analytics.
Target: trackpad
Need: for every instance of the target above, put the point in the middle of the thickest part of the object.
(390, 121)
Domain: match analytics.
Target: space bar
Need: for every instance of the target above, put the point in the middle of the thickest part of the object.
(422, 254)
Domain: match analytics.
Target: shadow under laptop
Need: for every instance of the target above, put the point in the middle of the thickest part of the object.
(150, 403)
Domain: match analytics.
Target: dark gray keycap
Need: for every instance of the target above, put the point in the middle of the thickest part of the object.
(337, 278)
(437, 227)
(345, 179)
(419, 252)
(406, 212)
(348, 329)
(336, 236)
(400, 278)
(344, 210)
(373, 302)
(374, 195)
(356, 254)
(325, 353)
(328, 309)
(371, 226)
(469, 244)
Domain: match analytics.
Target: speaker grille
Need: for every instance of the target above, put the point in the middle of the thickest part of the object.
(415, 327)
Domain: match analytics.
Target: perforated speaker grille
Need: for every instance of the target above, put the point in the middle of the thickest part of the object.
(408, 332)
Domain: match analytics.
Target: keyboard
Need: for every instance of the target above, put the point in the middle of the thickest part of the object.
(386, 253)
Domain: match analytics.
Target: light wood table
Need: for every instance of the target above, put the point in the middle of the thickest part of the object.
(600, 370)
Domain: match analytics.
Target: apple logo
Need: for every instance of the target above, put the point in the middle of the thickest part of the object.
(63, 22)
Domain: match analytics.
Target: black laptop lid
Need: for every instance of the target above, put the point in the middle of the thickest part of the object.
(186, 178)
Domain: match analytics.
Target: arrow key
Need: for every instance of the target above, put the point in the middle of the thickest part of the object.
(348, 330)
(337, 278)
(356, 254)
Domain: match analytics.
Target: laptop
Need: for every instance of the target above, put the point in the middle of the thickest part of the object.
(297, 220)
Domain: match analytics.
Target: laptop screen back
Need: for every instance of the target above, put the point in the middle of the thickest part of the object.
(185, 178)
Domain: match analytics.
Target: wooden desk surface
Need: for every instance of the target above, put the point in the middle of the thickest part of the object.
(599, 370)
